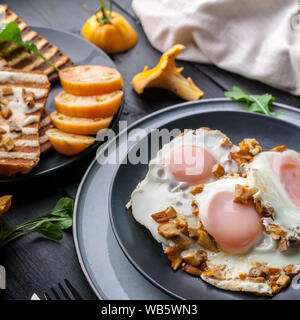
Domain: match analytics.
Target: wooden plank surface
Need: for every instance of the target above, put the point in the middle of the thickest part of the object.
(35, 264)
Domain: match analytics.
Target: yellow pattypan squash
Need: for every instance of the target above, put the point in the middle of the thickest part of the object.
(110, 31)
(167, 76)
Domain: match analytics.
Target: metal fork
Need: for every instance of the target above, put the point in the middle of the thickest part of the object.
(74, 295)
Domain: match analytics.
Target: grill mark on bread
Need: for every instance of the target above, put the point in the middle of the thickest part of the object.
(6, 44)
(14, 52)
(60, 63)
(46, 46)
(26, 151)
(33, 62)
(21, 59)
(25, 62)
(17, 58)
(30, 35)
(45, 124)
(25, 31)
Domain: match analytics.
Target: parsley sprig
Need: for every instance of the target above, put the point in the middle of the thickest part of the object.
(255, 103)
(50, 224)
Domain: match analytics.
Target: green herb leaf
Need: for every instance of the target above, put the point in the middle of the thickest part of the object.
(64, 207)
(32, 47)
(50, 224)
(62, 223)
(62, 214)
(11, 32)
(255, 103)
(48, 229)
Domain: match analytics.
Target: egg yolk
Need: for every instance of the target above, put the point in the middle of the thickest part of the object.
(234, 226)
(191, 164)
(287, 168)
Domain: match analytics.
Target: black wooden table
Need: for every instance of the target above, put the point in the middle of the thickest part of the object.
(33, 263)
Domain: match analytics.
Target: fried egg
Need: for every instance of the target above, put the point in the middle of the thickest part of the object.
(238, 231)
(235, 242)
(277, 177)
(187, 160)
(234, 226)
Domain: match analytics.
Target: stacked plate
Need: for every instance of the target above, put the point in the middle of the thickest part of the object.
(119, 257)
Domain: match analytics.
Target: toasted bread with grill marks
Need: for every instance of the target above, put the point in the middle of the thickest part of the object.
(19, 58)
(23, 96)
(45, 124)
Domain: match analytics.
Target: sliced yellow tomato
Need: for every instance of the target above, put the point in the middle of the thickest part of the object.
(90, 80)
(79, 125)
(68, 144)
(100, 106)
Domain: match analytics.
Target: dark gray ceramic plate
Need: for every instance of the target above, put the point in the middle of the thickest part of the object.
(81, 52)
(94, 200)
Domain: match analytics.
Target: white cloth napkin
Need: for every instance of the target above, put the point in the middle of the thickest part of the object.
(259, 39)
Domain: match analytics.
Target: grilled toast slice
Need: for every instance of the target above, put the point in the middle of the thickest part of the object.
(19, 58)
(23, 96)
(45, 124)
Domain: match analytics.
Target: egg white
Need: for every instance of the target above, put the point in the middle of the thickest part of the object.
(214, 141)
(272, 192)
(159, 189)
(264, 250)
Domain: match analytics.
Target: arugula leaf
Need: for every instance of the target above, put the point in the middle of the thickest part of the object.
(50, 224)
(62, 214)
(64, 207)
(48, 229)
(255, 103)
(63, 224)
(11, 32)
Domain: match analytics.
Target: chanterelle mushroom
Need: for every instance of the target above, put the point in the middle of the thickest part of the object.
(167, 76)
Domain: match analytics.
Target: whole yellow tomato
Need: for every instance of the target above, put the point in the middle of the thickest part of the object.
(115, 36)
